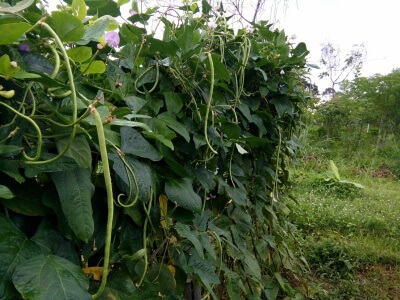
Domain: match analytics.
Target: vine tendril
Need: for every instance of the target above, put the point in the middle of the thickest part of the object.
(144, 73)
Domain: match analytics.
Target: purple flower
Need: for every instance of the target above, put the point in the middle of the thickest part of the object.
(24, 47)
(133, 12)
(112, 38)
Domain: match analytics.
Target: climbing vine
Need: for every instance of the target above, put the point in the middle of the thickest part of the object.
(139, 167)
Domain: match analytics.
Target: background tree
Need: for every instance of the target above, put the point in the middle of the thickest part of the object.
(337, 70)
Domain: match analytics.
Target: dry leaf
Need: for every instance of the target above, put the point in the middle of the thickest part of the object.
(97, 272)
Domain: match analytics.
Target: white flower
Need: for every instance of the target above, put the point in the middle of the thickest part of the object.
(282, 72)
(212, 24)
(14, 64)
(250, 29)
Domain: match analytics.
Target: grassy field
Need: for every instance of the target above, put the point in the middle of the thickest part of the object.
(349, 236)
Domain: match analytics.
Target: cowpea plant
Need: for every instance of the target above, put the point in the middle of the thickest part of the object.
(137, 167)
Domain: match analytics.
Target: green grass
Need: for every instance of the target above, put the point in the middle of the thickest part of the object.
(350, 237)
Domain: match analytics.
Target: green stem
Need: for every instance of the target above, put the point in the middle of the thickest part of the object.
(145, 237)
(209, 103)
(89, 64)
(129, 173)
(144, 73)
(73, 96)
(39, 133)
(57, 62)
(110, 199)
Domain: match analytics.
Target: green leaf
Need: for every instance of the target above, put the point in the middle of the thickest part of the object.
(131, 124)
(238, 195)
(79, 10)
(300, 50)
(95, 30)
(135, 103)
(156, 46)
(9, 150)
(96, 67)
(283, 106)
(5, 192)
(185, 232)
(27, 199)
(205, 7)
(11, 168)
(162, 275)
(181, 192)
(108, 7)
(220, 70)
(34, 62)
(205, 241)
(233, 285)
(79, 150)
(271, 289)
(96, 4)
(169, 120)
(15, 249)
(21, 5)
(134, 143)
(75, 190)
(52, 242)
(173, 101)
(281, 39)
(357, 185)
(252, 264)
(80, 54)
(67, 27)
(11, 32)
(51, 277)
(161, 138)
(142, 174)
(232, 130)
(188, 39)
(122, 2)
(120, 287)
(334, 170)
(204, 271)
(64, 163)
(6, 68)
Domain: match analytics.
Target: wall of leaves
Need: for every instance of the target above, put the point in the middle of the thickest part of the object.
(161, 159)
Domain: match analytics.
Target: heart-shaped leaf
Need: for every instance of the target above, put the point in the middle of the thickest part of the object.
(15, 249)
(5, 192)
(51, 277)
(80, 54)
(79, 9)
(134, 143)
(11, 32)
(79, 150)
(181, 191)
(67, 27)
(96, 67)
(75, 190)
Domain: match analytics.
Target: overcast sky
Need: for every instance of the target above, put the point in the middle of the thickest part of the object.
(374, 23)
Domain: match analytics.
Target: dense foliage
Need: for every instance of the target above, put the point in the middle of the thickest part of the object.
(162, 159)
(361, 121)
